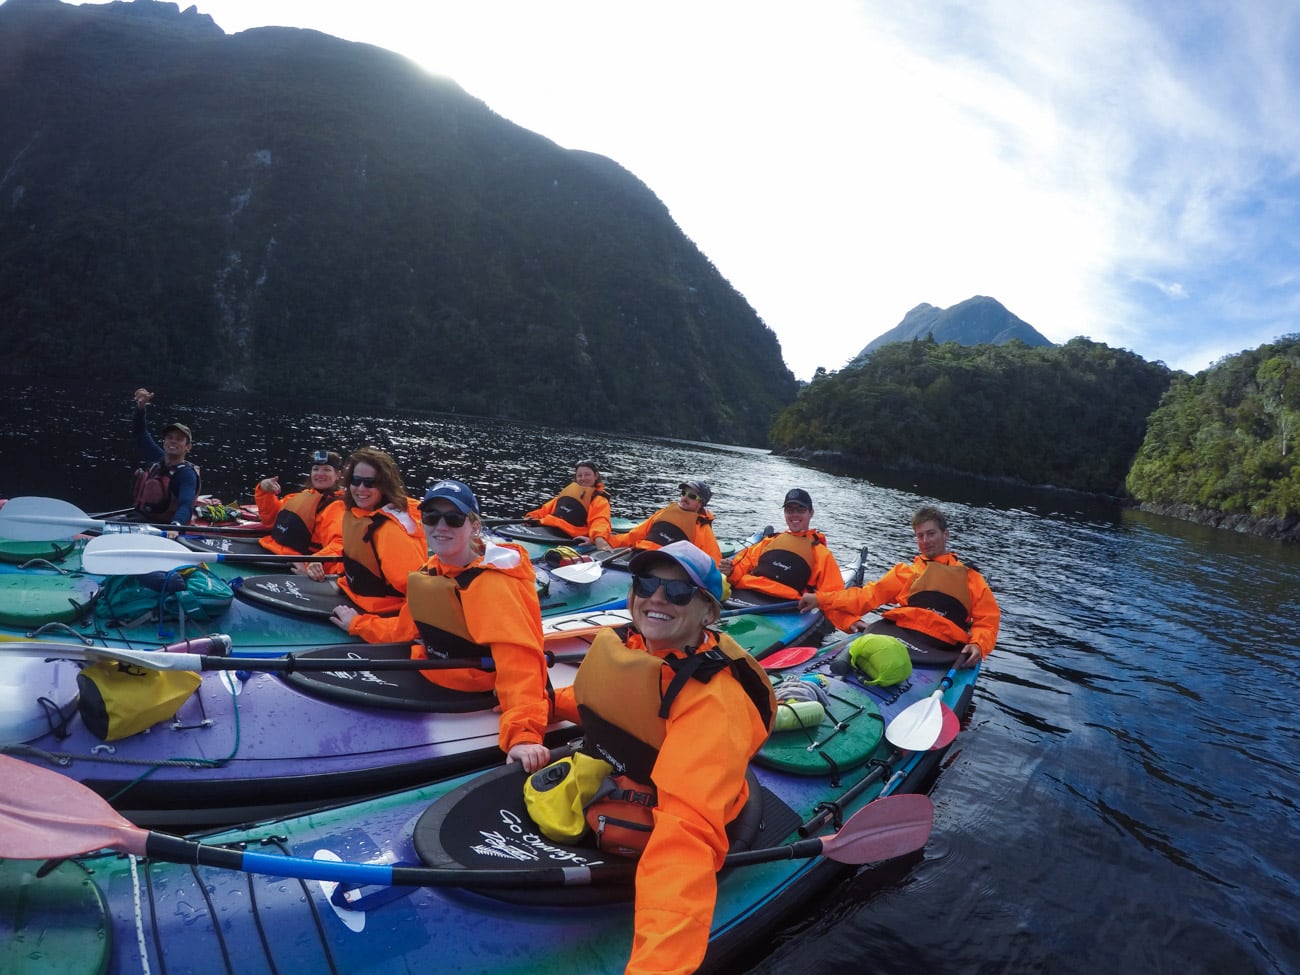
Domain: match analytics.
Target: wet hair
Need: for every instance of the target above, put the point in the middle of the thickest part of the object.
(388, 479)
(591, 464)
(929, 513)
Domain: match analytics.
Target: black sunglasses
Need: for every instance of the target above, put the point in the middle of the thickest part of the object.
(454, 519)
(363, 481)
(679, 592)
(794, 507)
(690, 495)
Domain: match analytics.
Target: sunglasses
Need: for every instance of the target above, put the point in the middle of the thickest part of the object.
(454, 519)
(363, 481)
(679, 592)
(795, 509)
(690, 496)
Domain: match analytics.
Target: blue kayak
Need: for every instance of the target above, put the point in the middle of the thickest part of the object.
(116, 915)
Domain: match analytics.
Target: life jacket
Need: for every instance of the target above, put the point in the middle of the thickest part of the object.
(361, 563)
(943, 589)
(672, 524)
(297, 519)
(623, 709)
(788, 559)
(435, 606)
(572, 503)
(152, 492)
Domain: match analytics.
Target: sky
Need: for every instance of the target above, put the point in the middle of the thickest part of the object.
(1123, 170)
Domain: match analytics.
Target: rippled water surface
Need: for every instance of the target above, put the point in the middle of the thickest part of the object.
(1126, 799)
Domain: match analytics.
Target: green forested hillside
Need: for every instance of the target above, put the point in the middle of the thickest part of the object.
(1072, 416)
(1225, 439)
(283, 212)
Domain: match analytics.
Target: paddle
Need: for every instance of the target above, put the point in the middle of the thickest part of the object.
(33, 519)
(134, 555)
(194, 659)
(880, 770)
(920, 725)
(787, 657)
(860, 570)
(45, 815)
(584, 573)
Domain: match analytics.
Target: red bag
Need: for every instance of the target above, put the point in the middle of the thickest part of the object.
(621, 815)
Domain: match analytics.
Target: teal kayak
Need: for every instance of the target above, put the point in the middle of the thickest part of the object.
(112, 914)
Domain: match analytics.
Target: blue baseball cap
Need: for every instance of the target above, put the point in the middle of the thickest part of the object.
(700, 569)
(457, 492)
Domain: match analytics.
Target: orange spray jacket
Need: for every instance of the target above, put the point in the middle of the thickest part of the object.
(486, 608)
(940, 597)
(672, 524)
(302, 523)
(577, 511)
(700, 753)
(787, 565)
(380, 549)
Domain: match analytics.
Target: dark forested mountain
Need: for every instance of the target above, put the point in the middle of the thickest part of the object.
(283, 211)
(1071, 416)
(975, 321)
(1225, 440)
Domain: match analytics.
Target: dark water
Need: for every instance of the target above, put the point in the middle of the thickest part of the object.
(1127, 797)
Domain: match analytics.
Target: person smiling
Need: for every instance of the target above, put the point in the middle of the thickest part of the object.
(167, 489)
(380, 540)
(471, 600)
(679, 711)
(306, 521)
(945, 613)
(581, 510)
(790, 564)
(686, 520)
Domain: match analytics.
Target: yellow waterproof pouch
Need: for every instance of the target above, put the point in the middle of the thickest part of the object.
(556, 795)
(119, 700)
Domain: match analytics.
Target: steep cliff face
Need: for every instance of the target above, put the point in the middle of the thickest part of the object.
(283, 211)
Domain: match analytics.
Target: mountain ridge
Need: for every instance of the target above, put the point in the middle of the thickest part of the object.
(975, 321)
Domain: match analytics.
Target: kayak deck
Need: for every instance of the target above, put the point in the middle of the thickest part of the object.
(204, 920)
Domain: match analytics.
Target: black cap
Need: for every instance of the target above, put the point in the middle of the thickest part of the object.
(798, 496)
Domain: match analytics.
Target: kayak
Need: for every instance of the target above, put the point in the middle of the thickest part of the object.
(272, 612)
(58, 606)
(506, 913)
(537, 539)
(250, 744)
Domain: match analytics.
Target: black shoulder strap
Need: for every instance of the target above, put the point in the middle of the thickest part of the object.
(703, 667)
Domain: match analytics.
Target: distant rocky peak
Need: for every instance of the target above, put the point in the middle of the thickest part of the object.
(975, 321)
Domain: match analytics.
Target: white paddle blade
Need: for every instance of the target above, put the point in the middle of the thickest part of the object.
(918, 726)
(133, 555)
(583, 573)
(43, 520)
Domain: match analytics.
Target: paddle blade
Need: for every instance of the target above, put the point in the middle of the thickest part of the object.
(788, 657)
(126, 555)
(889, 827)
(951, 725)
(32, 519)
(583, 573)
(45, 816)
(917, 726)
